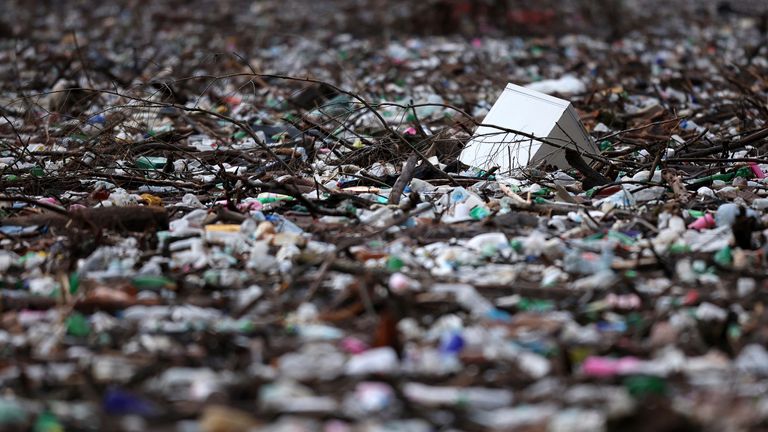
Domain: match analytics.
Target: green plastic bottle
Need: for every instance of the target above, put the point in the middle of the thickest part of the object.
(78, 325)
(47, 422)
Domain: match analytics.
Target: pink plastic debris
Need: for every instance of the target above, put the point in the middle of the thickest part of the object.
(756, 169)
(603, 367)
(250, 206)
(353, 345)
(705, 222)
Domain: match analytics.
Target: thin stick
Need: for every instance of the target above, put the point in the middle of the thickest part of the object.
(403, 180)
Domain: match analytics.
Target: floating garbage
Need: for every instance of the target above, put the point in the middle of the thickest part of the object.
(273, 216)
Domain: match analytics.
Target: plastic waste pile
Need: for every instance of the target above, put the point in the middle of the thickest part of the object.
(285, 238)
